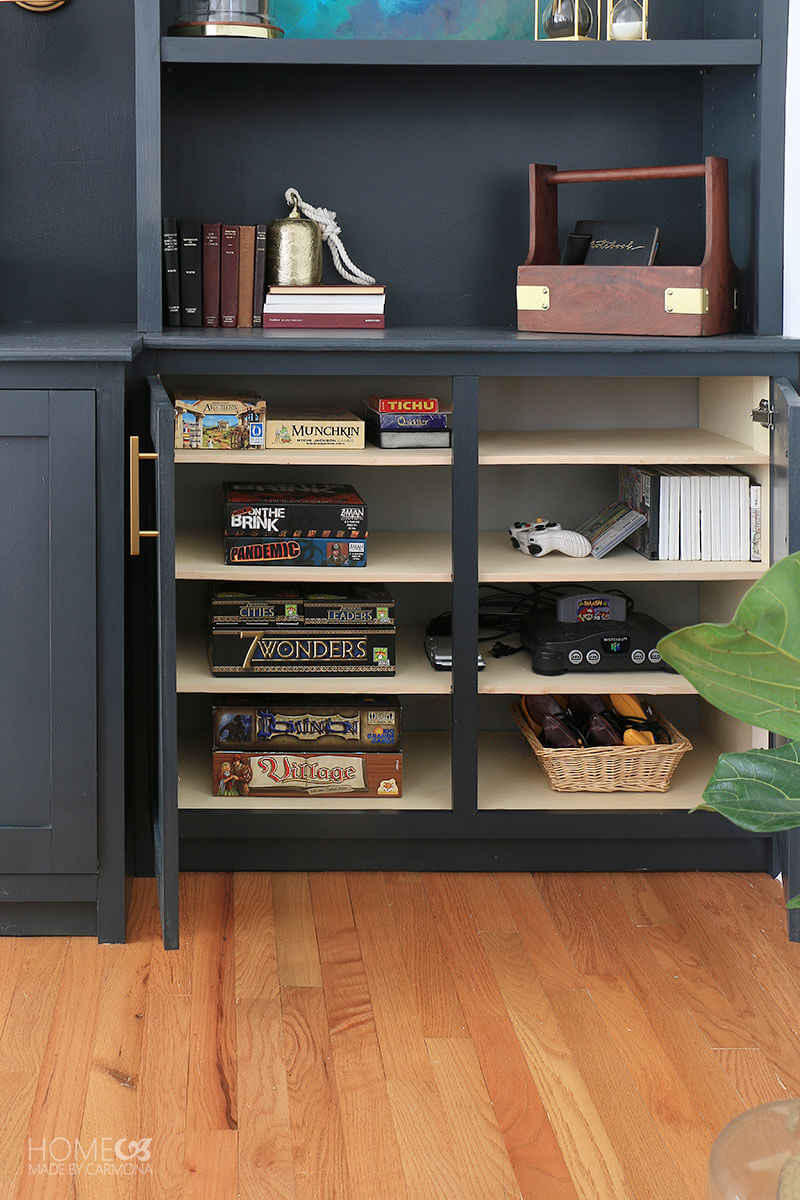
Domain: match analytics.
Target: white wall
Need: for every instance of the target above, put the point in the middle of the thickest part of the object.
(791, 237)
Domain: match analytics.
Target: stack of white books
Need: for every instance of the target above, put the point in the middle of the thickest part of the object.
(325, 306)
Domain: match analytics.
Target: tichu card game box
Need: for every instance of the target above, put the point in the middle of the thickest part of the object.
(301, 510)
(309, 723)
(271, 773)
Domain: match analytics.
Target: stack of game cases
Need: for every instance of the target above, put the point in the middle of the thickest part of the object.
(309, 746)
(267, 629)
(407, 422)
(294, 524)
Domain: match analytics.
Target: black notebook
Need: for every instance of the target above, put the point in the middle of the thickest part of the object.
(619, 243)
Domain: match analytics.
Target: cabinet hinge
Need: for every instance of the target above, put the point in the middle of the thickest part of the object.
(764, 415)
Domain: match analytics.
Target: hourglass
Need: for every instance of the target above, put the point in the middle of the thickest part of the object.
(577, 20)
(627, 21)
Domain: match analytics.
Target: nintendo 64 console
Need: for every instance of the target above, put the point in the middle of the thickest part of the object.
(592, 633)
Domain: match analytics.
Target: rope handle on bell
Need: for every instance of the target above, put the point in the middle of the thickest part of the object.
(326, 219)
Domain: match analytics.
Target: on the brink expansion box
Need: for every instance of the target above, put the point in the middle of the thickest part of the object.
(309, 510)
(309, 723)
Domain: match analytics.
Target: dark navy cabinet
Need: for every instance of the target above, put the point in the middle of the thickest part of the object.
(62, 631)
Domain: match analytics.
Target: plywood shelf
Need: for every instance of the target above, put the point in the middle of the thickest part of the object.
(370, 456)
(426, 781)
(499, 562)
(391, 558)
(414, 674)
(510, 779)
(635, 447)
(512, 676)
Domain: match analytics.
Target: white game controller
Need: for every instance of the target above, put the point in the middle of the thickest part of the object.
(539, 537)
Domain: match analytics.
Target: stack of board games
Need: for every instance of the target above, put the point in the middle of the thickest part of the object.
(219, 420)
(309, 746)
(410, 422)
(294, 524)
(266, 629)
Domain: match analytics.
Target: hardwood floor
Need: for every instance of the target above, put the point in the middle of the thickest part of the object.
(399, 1037)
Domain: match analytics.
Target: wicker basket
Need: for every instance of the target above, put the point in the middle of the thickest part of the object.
(607, 768)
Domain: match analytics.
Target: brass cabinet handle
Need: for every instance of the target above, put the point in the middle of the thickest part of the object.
(136, 533)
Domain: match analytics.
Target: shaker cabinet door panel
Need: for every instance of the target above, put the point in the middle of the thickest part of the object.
(48, 682)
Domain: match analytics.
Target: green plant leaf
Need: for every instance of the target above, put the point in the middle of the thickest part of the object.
(749, 668)
(758, 790)
(794, 902)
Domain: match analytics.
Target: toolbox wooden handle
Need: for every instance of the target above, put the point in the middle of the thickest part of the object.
(136, 533)
(544, 179)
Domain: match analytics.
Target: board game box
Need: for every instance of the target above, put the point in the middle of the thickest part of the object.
(311, 510)
(296, 552)
(314, 429)
(256, 604)
(268, 773)
(219, 420)
(356, 605)
(283, 650)
(309, 722)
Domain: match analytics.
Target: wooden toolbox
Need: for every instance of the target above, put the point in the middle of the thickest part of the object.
(673, 300)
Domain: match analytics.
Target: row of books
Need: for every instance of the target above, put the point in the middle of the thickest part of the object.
(709, 514)
(214, 274)
(215, 277)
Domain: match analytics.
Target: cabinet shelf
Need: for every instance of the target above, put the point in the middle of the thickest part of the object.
(414, 675)
(391, 558)
(499, 562)
(457, 53)
(613, 446)
(512, 676)
(510, 779)
(370, 456)
(426, 781)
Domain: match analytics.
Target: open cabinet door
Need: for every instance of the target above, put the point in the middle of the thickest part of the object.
(786, 540)
(164, 801)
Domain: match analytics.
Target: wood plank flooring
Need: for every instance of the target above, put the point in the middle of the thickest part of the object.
(399, 1037)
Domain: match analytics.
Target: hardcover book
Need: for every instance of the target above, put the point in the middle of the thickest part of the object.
(172, 279)
(191, 277)
(619, 243)
(229, 276)
(211, 261)
(247, 263)
(259, 274)
(327, 320)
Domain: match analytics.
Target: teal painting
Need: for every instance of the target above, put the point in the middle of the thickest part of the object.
(503, 20)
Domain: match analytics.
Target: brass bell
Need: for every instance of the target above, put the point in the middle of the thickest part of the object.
(294, 249)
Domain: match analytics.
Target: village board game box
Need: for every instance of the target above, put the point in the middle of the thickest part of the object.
(296, 552)
(309, 723)
(256, 604)
(321, 650)
(267, 773)
(219, 420)
(308, 510)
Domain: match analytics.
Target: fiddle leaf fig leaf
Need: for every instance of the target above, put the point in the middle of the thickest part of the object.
(749, 668)
(759, 790)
